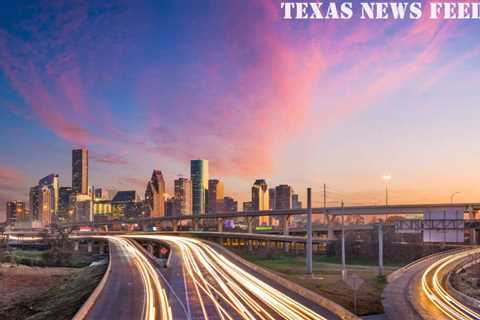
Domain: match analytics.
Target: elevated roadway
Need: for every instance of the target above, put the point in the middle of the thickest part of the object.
(419, 290)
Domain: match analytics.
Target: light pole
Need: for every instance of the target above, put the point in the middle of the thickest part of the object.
(386, 178)
(453, 195)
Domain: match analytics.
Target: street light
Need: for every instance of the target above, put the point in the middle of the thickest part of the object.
(453, 195)
(386, 178)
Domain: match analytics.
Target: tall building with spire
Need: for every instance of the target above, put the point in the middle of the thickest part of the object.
(199, 178)
(154, 194)
(80, 171)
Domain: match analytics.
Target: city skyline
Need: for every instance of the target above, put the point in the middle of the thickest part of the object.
(276, 102)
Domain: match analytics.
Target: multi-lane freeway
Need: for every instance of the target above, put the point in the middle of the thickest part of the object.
(199, 283)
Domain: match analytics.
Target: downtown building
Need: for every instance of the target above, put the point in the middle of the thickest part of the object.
(230, 205)
(283, 197)
(44, 200)
(128, 204)
(16, 211)
(199, 179)
(260, 200)
(183, 196)
(80, 171)
(215, 196)
(155, 195)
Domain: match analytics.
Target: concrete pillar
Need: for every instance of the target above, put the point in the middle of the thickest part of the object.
(331, 232)
(250, 230)
(344, 265)
(286, 232)
(380, 249)
(195, 224)
(219, 224)
(89, 246)
(150, 249)
(309, 232)
(473, 236)
(76, 245)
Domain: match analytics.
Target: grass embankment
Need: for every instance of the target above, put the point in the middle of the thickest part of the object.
(53, 293)
(327, 279)
(35, 258)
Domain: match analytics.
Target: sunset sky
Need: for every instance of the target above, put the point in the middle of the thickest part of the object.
(151, 85)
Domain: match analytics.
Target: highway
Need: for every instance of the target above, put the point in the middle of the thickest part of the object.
(433, 286)
(419, 292)
(204, 284)
(132, 290)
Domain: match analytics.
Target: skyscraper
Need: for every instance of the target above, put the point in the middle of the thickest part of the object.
(44, 200)
(154, 194)
(260, 199)
(183, 196)
(271, 198)
(80, 171)
(283, 197)
(230, 205)
(65, 203)
(52, 182)
(41, 204)
(199, 178)
(16, 211)
(215, 196)
(296, 203)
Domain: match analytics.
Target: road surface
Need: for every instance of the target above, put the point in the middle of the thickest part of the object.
(132, 290)
(204, 284)
(420, 293)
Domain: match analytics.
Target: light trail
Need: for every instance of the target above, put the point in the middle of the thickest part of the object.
(432, 286)
(156, 302)
(226, 291)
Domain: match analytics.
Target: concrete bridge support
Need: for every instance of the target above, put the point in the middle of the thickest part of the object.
(195, 224)
(473, 236)
(219, 224)
(330, 223)
(76, 245)
(286, 232)
(250, 230)
(89, 246)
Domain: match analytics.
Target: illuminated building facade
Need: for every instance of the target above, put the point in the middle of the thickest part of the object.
(80, 171)
(260, 200)
(215, 196)
(183, 196)
(16, 211)
(199, 178)
(155, 195)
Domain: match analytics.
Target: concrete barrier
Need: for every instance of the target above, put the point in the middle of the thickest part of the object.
(306, 293)
(87, 306)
